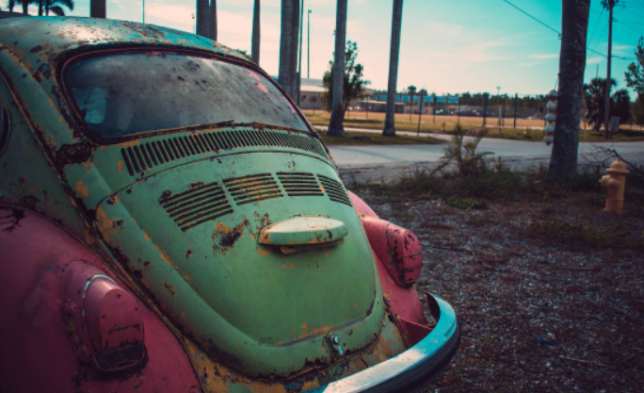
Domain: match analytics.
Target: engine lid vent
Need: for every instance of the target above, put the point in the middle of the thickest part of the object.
(335, 190)
(253, 188)
(197, 206)
(143, 157)
(300, 184)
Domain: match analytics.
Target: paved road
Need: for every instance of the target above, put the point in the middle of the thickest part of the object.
(369, 162)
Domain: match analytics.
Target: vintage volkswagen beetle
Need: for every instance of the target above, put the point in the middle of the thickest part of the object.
(171, 222)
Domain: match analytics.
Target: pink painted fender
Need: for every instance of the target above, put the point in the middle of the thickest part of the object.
(38, 352)
(398, 268)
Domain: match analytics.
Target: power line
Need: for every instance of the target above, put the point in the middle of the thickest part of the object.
(596, 24)
(557, 31)
(532, 17)
(628, 25)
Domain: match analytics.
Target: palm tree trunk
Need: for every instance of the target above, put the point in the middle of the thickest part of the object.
(336, 128)
(394, 54)
(572, 64)
(213, 20)
(295, 35)
(40, 7)
(288, 46)
(203, 19)
(256, 33)
(25, 7)
(97, 9)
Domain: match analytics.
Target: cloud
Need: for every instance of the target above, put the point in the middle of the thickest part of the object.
(594, 60)
(529, 64)
(173, 15)
(543, 57)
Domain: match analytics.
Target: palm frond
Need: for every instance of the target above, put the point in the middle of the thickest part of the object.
(57, 10)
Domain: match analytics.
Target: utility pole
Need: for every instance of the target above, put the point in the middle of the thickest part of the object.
(308, 44)
(610, 4)
(498, 95)
(367, 106)
(420, 110)
(503, 112)
(299, 63)
(516, 99)
(434, 121)
(485, 96)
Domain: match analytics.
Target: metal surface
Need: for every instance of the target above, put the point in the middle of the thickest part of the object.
(171, 289)
(615, 184)
(303, 230)
(418, 363)
(38, 354)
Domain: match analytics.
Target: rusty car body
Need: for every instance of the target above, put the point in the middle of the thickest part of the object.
(170, 221)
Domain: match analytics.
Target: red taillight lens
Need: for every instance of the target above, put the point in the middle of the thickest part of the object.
(105, 320)
(398, 249)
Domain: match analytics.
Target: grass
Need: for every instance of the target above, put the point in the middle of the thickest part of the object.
(363, 138)
(576, 234)
(527, 129)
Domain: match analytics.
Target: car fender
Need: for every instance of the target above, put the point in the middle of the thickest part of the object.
(37, 352)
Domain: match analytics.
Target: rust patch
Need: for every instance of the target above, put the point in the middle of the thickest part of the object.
(119, 166)
(170, 288)
(81, 189)
(78, 153)
(146, 235)
(164, 255)
(225, 237)
(9, 222)
(263, 251)
(29, 201)
(106, 226)
(134, 142)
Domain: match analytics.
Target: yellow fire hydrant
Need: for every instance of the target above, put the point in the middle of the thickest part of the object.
(614, 183)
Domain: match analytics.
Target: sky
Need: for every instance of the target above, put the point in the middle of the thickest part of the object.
(448, 46)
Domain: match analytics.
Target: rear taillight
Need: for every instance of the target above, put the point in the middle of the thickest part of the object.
(397, 248)
(104, 319)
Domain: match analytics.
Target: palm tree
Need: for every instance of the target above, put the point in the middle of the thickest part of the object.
(608, 5)
(336, 128)
(394, 54)
(213, 20)
(595, 101)
(56, 6)
(256, 33)
(572, 63)
(25, 5)
(203, 12)
(97, 9)
(11, 4)
(288, 46)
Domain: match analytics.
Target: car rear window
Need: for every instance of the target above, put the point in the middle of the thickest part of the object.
(130, 93)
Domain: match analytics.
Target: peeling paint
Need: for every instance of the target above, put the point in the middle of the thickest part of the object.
(81, 189)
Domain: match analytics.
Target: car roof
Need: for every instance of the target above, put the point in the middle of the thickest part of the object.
(33, 40)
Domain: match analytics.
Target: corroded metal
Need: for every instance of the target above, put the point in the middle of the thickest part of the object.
(209, 257)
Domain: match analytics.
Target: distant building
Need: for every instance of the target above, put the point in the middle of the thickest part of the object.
(311, 93)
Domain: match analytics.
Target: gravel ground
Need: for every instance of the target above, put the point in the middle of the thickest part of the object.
(549, 291)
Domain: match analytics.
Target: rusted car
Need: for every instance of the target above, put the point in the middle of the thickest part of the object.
(171, 222)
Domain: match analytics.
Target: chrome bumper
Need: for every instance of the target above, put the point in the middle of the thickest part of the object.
(415, 366)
